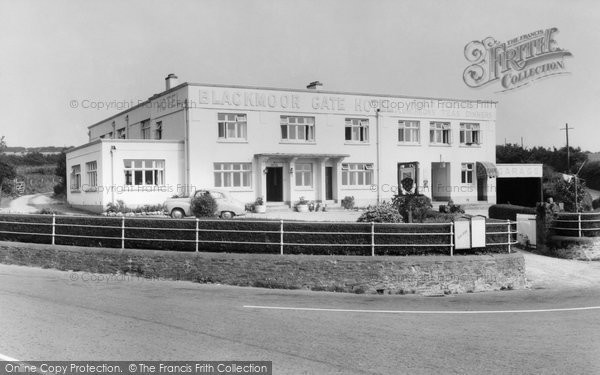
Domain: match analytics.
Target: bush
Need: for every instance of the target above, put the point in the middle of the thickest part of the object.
(565, 192)
(596, 203)
(382, 213)
(204, 205)
(451, 208)
(509, 211)
(348, 202)
(417, 204)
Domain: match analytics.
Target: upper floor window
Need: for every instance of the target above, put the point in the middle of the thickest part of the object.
(76, 177)
(295, 128)
(121, 133)
(440, 133)
(466, 174)
(144, 172)
(409, 131)
(158, 131)
(469, 133)
(232, 126)
(233, 174)
(303, 175)
(357, 174)
(92, 173)
(357, 130)
(146, 129)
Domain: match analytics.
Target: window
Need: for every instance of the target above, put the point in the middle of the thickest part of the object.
(357, 130)
(92, 173)
(232, 126)
(439, 133)
(466, 176)
(409, 131)
(303, 174)
(233, 174)
(144, 172)
(158, 131)
(76, 177)
(146, 129)
(469, 133)
(298, 128)
(357, 174)
(121, 133)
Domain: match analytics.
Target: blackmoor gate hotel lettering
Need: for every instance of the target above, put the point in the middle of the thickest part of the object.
(283, 144)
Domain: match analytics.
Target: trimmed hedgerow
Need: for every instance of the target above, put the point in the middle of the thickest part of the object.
(509, 211)
(247, 236)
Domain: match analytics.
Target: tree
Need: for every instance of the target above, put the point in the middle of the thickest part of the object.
(7, 172)
(61, 172)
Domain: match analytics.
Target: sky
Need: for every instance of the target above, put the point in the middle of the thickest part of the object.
(55, 52)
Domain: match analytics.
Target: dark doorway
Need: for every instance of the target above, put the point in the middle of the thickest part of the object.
(482, 189)
(274, 184)
(328, 183)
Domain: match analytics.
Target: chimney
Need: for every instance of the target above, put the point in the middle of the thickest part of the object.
(171, 81)
(313, 85)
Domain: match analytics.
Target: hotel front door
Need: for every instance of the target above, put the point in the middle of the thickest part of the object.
(274, 184)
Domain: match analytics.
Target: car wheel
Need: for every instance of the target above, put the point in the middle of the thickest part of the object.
(226, 215)
(177, 213)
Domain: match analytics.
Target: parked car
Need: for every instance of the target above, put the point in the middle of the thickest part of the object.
(227, 206)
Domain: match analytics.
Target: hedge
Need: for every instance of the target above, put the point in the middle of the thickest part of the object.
(153, 233)
(509, 211)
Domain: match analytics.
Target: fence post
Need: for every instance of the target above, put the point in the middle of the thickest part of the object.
(452, 239)
(372, 239)
(53, 228)
(122, 232)
(579, 224)
(197, 230)
(281, 237)
(509, 237)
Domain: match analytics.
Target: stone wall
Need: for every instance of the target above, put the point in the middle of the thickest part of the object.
(353, 274)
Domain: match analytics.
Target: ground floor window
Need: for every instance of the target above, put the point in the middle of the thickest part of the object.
(233, 174)
(76, 177)
(144, 172)
(466, 176)
(357, 174)
(92, 173)
(304, 175)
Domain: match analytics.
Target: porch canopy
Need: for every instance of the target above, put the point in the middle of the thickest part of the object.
(286, 155)
(486, 169)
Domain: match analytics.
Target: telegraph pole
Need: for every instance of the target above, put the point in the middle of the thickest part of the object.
(566, 129)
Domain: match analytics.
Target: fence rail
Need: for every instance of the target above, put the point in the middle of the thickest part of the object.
(371, 234)
(579, 218)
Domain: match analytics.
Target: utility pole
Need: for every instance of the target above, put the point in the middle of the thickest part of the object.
(566, 129)
(521, 142)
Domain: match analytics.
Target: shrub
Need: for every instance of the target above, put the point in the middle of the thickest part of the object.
(451, 208)
(49, 211)
(204, 205)
(259, 201)
(381, 213)
(509, 211)
(415, 205)
(596, 203)
(564, 191)
(348, 202)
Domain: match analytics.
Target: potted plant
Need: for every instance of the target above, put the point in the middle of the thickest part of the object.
(302, 205)
(259, 206)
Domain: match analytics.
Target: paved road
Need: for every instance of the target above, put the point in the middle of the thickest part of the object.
(52, 315)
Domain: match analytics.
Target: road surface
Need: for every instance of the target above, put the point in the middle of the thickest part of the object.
(55, 315)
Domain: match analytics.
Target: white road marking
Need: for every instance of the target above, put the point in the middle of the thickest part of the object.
(422, 311)
(7, 358)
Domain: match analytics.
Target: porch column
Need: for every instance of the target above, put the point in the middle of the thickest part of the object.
(322, 194)
(261, 178)
(338, 181)
(292, 173)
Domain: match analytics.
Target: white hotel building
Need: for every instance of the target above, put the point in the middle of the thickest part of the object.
(283, 144)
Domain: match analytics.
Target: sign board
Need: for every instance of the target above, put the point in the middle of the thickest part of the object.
(478, 231)
(519, 170)
(462, 234)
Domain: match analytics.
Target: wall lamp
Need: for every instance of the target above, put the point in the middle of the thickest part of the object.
(265, 171)
(291, 170)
